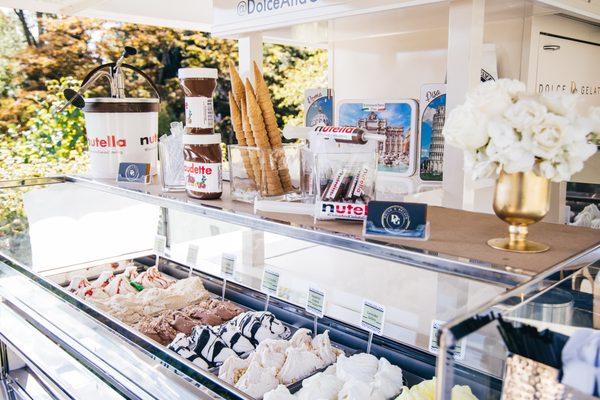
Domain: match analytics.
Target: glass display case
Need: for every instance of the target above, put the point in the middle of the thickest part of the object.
(529, 329)
(67, 237)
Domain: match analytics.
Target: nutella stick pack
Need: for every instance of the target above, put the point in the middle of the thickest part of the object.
(318, 107)
(343, 169)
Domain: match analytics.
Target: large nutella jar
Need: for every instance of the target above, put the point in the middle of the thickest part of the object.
(201, 146)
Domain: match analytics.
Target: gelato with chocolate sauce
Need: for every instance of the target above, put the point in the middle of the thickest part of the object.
(164, 327)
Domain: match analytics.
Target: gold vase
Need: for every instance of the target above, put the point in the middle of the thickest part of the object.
(520, 199)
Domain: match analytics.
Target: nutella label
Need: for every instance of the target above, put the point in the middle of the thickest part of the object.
(345, 133)
(203, 177)
(199, 112)
(332, 209)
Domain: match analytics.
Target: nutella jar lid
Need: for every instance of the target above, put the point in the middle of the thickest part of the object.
(202, 139)
(184, 73)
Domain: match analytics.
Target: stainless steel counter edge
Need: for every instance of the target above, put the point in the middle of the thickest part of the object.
(190, 371)
(477, 270)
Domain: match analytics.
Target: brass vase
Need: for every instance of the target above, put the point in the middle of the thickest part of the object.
(520, 199)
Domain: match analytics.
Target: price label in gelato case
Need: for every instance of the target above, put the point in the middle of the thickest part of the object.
(434, 341)
(315, 303)
(160, 244)
(192, 255)
(270, 282)
(372, 317)
(228, 265)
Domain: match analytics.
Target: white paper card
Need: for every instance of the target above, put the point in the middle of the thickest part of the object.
(372, 317)
(160, 244)
(270, 282)
(434, 344)
(228, 265)
(192, 255)
(315, 302)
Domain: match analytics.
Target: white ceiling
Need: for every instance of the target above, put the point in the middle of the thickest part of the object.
(183, 14)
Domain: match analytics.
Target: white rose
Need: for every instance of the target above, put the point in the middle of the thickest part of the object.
(548, 137)
(564, 104)
(490, 99)
(525, 114)
(513, 87)
(594, 118)
(580, 150)
(515, 158)
(501, 133)
(547, 170)
(465, 128)
(480, 165)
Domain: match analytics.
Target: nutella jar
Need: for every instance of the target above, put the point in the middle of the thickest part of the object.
(201, 146)
(202, 166)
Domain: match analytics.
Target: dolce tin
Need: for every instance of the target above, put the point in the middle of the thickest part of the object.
(201, 146)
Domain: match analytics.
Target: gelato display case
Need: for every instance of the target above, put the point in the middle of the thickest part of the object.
(128, 291)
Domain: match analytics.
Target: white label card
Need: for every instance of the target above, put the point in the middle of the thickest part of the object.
(228, 265)
(434, 343)
(315, 302)
(270, 282)
(372, 317)
(160, 244)
(192, 255)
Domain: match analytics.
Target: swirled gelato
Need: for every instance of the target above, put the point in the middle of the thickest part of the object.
(236, 337)
(152, 278)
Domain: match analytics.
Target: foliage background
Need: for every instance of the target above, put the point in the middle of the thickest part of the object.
(42, 54)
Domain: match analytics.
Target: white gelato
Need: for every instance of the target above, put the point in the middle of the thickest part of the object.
(388, 379)
(299, 363)
(358, 390)
(361, 367)
(257, 380)
(289, 361)
(280, 393)
(321, 345)
(322, 386)
(301, 338)
(233, 368)
(359, 377)
(271, 353)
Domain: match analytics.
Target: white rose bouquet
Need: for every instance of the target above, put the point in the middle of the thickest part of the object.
(500, 127)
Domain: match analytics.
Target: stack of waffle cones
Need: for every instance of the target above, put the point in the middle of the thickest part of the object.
(255, 125)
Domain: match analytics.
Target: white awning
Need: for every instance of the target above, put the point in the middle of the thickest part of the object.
(183, 14)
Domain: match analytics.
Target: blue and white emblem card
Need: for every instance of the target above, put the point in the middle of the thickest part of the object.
(396, 220)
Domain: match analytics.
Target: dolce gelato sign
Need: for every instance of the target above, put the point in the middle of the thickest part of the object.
(249, 7)
(581, 88)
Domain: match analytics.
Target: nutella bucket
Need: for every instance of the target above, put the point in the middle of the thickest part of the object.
(121, 130)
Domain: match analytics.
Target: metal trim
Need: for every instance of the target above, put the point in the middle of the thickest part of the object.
(436, 262)
(169, 359)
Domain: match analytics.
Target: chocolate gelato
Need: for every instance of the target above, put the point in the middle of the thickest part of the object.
(164, 327)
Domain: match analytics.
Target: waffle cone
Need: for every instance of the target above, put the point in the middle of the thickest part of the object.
(236, 121)
(237, 85)
(266, 107)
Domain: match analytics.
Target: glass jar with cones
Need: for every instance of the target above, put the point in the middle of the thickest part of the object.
(260, 163)
(525, 141)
